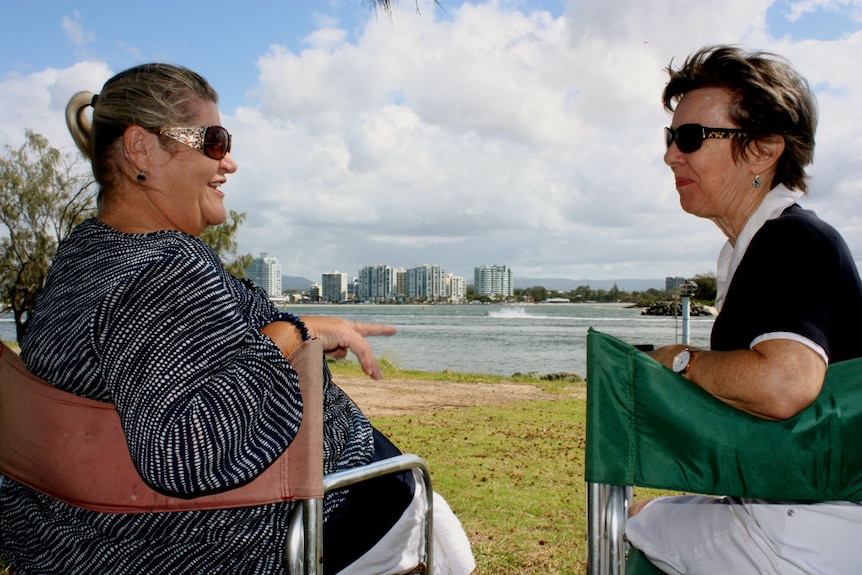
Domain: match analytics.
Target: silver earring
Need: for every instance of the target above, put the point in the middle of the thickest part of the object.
(142, 176)
(756, 182)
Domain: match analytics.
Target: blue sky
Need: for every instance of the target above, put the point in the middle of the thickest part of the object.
(520, 132)
(220, 39)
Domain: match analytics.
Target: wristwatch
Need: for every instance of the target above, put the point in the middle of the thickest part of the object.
(682, 361)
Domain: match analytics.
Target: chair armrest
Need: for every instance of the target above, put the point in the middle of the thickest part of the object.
(304, 548)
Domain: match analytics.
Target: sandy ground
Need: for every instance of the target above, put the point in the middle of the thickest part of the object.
(402, 396)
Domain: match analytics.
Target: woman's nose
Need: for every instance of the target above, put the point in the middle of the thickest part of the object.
(673, 157)
(228, 164)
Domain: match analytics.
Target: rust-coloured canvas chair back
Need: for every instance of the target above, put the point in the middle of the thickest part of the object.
(74, 449)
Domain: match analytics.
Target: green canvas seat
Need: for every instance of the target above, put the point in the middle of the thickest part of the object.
(649, 427)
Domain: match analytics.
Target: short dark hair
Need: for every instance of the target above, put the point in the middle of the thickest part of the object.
(769, 98)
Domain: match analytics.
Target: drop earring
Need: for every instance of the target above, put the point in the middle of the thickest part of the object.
(756, 182)
(142, 176)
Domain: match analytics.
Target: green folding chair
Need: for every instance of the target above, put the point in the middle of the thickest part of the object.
(649, 427)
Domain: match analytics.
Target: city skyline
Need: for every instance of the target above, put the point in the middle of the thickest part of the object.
(518, 282)
(385, 283)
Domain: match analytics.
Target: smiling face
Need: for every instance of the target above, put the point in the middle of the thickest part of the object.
(709, 182)
(187, 183)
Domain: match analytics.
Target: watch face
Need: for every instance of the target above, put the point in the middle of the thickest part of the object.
(680, 362)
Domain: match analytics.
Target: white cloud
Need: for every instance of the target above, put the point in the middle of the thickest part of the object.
(529, 140)
(37, 101)
(486, 135)
(74, 30)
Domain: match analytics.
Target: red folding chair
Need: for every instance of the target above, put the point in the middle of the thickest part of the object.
(73, 449)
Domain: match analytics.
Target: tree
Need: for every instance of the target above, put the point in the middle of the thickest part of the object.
(388, 6)
(222, 239)
(43, 195)
(539, 293)
(706, 287)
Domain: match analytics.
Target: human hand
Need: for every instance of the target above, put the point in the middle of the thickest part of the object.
(340, 336)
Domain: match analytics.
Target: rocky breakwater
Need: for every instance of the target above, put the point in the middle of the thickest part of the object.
(674, 308)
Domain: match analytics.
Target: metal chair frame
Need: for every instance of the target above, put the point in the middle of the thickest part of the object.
(304, 552)
(607, 509)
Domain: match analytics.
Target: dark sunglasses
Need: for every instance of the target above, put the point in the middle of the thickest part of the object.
(689, 137)
(213, 141)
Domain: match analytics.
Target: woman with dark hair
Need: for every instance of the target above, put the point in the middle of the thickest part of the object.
(741, 136)
(139, 312)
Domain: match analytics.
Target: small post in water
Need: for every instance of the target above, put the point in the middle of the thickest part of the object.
(686, 290)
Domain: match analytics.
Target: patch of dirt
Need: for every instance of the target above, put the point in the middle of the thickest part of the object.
(403, 396)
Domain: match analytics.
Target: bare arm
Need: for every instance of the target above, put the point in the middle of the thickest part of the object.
(338, 336)
(284, 334)
(775, 380)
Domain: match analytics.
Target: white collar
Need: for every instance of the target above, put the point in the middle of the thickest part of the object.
(776, 201)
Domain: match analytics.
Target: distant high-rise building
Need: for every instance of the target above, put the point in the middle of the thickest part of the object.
(352, 288)
(400, 283)
(333, 287)
(427, 282)
(265, 272)
(457, 288)
(314, 292)
(495, 280)
(671, 283)
(377, 283)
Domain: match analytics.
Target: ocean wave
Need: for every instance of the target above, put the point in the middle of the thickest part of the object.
(513, 313)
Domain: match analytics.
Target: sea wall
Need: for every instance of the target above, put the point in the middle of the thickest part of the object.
(674, 308)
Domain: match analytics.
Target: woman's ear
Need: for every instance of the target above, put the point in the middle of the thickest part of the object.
(136, 147)
(765, 152)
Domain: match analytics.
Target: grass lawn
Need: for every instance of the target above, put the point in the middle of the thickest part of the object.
(514, 476)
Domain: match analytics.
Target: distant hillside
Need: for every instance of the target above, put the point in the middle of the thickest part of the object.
(563, 284)
(290, 283)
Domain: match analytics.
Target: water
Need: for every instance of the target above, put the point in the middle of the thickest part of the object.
(504, 339)
(499, 339)
(7, 327)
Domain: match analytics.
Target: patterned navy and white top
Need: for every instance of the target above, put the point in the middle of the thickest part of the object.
(154, 324)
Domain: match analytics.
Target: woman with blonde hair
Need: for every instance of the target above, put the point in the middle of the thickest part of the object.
(139, 312)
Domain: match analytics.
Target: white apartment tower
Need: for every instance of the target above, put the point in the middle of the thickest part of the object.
(457, 287)
(333, 287)
(265, 272)
(427, 282)
(377, 283)
(495, 280)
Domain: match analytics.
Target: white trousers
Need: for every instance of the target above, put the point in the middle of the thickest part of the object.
(397, 551)
(694, 534)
